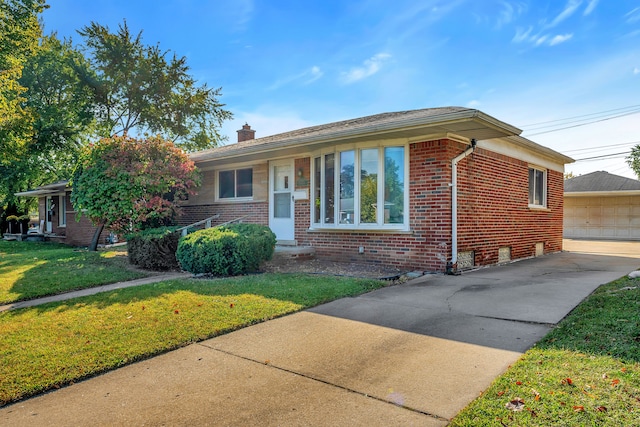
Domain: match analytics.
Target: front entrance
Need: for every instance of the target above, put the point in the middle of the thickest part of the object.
(281, 204)
(48, 211)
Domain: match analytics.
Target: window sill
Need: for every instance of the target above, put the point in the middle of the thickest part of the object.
(236, 200)
(359, 230)
(539, 208)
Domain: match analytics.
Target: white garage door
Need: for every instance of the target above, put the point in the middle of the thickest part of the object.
(602, 218)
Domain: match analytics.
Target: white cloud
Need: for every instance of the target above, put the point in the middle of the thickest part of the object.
(568, 10)
(633, 15)
(369, 67)
(306, 77)
(522, 35)
(560, 38)
(590, 7)
(636, 70)
(540, 40)
(474, 103)
(509, 11)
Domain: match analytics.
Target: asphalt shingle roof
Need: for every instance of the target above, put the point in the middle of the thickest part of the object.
(600, 181)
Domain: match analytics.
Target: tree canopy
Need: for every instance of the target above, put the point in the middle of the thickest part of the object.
(55, 97)
(633, 160)
(19, 35)
(141, 87)
(130, 184)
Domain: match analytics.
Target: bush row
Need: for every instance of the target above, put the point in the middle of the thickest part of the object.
(223, 251)
(228, 250)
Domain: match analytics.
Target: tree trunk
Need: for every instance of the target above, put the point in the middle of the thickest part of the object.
(96, 237)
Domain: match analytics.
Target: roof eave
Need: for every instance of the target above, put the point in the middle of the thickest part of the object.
(374, 131)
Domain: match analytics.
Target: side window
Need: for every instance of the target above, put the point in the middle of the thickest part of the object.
(537, 187)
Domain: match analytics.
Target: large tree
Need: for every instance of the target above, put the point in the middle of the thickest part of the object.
(20, 32)
(61, 115)
(129, 184)
(140, 88)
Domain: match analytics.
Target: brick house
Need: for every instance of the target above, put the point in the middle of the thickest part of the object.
(436, 189)
(60, 220)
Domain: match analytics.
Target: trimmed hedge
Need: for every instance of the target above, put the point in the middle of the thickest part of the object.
(227, 250)
(154, 249)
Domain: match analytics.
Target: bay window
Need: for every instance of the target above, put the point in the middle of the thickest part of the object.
(360, 188)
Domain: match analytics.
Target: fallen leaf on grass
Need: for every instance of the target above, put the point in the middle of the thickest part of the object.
(601, 409)
(579, 408)
(500, 393)
(515, 405)
(176, 312)
(232, 305)
(568, 381)
(615, 382)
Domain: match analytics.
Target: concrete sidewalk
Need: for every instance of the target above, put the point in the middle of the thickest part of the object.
(92, 291)
(413, 354)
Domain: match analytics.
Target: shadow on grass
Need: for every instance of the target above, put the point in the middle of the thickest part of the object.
(33, 269)
(55, 344)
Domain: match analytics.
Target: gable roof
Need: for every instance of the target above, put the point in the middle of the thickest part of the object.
(601, 182)
(466, 122)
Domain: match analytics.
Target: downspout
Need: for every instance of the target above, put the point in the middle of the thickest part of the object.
(452, 265)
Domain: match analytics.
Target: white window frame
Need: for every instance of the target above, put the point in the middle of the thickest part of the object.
(235, 185)
(356, 225)
(531, 202)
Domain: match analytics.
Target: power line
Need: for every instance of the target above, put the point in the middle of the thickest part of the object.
(580, 117)
(602, 147)
(606, 156)
(584, 124)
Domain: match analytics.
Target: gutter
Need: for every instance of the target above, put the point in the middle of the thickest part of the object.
(452, 266)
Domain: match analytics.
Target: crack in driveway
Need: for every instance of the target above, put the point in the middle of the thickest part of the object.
(331, 384)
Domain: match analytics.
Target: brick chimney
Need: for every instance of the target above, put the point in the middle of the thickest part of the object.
(246, 133)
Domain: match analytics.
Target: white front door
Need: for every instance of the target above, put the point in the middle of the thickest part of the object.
(48, 212)
(281, 204)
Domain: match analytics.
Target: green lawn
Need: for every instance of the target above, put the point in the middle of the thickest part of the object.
(586, 372)
(51, 345)
(31, 269)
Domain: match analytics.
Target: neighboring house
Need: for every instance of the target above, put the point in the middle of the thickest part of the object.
(600, 205)
(59, 219)
(411, 189)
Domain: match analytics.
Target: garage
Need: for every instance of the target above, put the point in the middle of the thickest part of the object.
(601, 205)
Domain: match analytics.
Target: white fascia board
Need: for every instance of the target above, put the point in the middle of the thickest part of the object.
(620, 193)
(521, 152)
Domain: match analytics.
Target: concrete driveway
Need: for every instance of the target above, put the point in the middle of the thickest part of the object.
(413, 354)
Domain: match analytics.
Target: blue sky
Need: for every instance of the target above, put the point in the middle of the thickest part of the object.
(283, 65)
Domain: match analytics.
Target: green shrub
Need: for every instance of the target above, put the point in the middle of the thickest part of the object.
(154, 249)
(226, 251)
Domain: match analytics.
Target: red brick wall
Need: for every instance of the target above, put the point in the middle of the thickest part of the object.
(78, 231)
(493, 208)
(492, 212)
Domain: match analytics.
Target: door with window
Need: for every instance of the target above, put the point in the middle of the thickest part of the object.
(281, 203)
(49, 212)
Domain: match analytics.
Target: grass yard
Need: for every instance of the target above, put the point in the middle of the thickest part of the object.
(32, 269)
(586, 372)
(48, 346)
